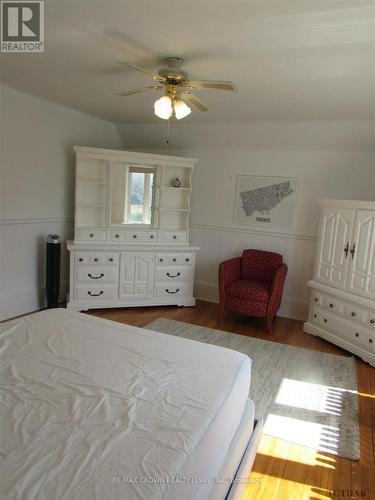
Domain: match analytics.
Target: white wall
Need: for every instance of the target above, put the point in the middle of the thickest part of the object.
(332, 160)
(37, 189)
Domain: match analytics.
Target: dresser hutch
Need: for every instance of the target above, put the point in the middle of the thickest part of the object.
(131, 230)
(342, 307)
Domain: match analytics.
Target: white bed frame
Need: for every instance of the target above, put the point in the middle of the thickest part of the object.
(242, 475)
(240, 457)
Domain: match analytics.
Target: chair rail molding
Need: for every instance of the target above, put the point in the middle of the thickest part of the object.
(264, 232)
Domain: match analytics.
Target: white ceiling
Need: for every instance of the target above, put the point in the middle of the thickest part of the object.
(290, 60)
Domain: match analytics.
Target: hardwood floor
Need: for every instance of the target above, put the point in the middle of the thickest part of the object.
(283, 470)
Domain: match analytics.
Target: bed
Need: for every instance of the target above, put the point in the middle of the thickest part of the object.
(94, 409)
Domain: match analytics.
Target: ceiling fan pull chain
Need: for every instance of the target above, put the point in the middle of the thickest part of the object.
(168, 129)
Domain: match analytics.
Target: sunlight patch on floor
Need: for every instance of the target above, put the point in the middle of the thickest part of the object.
(309, 396)
(314, 435)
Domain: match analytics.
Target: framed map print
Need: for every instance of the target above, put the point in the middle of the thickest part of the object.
(265, 201)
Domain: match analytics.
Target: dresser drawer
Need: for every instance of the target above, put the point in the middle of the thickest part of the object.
(96, 274)
(91, 234)
(175, 259)
(134, 236)
(343, 329)
(173, 290)
(96, 258)
(333, 304)
(174, 236)
(355, 313)
(318, 298)
(170, 274)
(96, 291)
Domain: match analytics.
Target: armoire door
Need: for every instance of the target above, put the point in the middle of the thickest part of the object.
(136, 275)
(336, 228)
(361, 279)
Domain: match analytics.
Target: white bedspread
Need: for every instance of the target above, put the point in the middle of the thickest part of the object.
(92, 409)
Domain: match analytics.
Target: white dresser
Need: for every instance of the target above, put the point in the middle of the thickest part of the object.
(131, 245)
(342, 308)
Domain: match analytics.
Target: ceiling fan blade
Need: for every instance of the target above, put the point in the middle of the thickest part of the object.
(143, 70)
(211, 84)
(194, 101)
(137, 91)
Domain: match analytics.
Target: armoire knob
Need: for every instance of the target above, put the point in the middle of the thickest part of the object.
(370, 340)
(357, 334)
(372, 321)
(353, 314)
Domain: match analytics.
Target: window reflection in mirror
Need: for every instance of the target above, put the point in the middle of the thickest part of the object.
(132, 190)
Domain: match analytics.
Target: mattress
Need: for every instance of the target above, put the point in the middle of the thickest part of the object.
(93, 409)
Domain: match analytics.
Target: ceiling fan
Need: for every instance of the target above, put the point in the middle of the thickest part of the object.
(175, 81)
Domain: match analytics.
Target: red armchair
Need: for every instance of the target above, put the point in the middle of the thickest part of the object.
(252, 284)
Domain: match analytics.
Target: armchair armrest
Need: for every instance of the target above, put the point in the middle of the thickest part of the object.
(276, 290)
(229, 271)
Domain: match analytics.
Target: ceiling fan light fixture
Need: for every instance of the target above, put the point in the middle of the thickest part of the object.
(163, 107)
(181, 109)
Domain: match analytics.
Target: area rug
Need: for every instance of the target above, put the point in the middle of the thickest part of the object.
(305, 397)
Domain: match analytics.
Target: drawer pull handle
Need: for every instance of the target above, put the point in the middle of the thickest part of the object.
(173, 275)
(95, 294)
(372, 321)
(80, 259)
(357, 334)
(174, 237)
(111, 260)
(117, 236)
(152, 236)
(353, 314)
(187, 260)
(315, 316)
(325, 320)
(370, 340)
(96, 259)
(95, 277)
(91, 235)
(174, 260)
(331, 305)
(161, 260)
(176, 291)
(316, 299)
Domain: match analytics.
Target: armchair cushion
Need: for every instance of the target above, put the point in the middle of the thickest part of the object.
(248, 290)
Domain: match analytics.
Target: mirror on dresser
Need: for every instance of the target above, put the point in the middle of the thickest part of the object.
(132, 191)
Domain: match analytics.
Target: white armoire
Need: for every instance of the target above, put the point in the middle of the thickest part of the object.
(131, 240)
(342, 308)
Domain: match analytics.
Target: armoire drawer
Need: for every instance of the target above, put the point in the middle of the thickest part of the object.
(175, 259)
(343, 329)
(97, 291)
(134, 236)
(172, 289)
(91, 234)
(96, 258)
(355, 313)
(96, 274)
(170, 274)
(174, 236)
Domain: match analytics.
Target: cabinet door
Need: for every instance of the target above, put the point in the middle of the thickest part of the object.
(136, 274)
(362, 257)
(336, 227)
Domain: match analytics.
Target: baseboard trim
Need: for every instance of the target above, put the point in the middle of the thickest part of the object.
(290, 308)
(27, 301)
